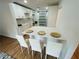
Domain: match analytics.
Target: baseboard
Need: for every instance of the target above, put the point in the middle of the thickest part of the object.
(7, 37)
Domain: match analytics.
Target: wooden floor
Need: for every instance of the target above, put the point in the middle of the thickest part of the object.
(76, 53)
(11, 47)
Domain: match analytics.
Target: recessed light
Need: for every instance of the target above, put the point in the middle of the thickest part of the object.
(25, 1)
(46, 8)
(37, 9)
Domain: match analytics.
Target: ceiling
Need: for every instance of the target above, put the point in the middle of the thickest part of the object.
(37, 3)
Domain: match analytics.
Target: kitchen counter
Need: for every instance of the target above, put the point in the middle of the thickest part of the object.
(47, 30)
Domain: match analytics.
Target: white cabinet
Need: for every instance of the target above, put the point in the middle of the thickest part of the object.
(24, 23)
(25, 26)
(20, 11)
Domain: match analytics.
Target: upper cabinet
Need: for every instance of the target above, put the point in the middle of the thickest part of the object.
(20, 12)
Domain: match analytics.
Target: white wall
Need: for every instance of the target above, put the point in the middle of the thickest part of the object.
(8, 23)
(69, 27)
(59, 15)
(52, 16)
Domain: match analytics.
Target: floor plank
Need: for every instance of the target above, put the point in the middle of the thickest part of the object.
(11, 47)
(76, 53)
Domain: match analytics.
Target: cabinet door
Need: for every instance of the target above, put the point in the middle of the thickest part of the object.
(18, 11)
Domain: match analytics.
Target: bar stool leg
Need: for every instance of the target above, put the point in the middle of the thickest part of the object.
(46, 56)
(41, 55)
(32, 54)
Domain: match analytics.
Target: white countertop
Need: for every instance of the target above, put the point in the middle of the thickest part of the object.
(48, 30)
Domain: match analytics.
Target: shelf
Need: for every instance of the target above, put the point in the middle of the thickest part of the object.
(42, 25)
(42, 18)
